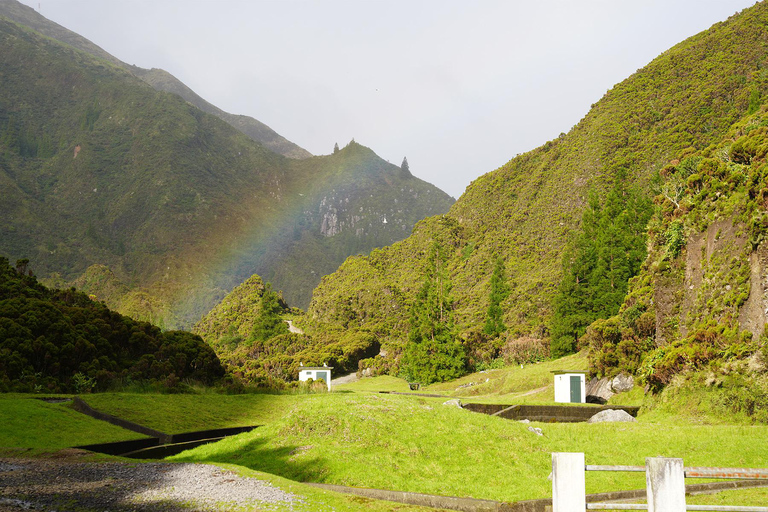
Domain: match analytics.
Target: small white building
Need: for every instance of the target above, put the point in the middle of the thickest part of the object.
(570, 386)
(316, 372)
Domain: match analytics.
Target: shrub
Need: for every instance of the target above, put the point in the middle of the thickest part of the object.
(524, 350)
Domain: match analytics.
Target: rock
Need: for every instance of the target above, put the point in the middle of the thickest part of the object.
(599, 390)
(526, 420)
(453, 403)
(622, 383)
(611, 415)
(536, 430)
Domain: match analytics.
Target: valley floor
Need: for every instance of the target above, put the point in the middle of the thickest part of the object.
(355, 436)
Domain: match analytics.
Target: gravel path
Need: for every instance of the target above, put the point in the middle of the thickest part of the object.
(34, 484)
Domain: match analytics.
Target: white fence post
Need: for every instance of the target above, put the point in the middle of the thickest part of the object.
(568, 483)
(665, 483)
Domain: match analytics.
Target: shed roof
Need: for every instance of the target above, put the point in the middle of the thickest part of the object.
(560, 372)
(302, 368)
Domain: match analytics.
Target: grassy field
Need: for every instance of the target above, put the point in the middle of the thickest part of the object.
(417, 444)
(26, 422)
(357, 436)
(175, 414)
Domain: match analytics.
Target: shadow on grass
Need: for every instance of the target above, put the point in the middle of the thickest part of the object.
(292, 462)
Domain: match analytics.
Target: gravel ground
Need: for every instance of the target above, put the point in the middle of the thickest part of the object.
(36, 484)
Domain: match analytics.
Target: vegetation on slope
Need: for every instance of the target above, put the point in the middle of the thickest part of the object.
(60, 340)
(696, 308)
(181, 207)
(604, 254)
(249, 332)
(524, 211)
(157, 78)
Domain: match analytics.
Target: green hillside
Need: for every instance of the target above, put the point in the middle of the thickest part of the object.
(157, 78)
(60, 340)
(526, 211)
(697, 308)
(99, 168)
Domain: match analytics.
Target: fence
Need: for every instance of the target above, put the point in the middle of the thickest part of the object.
(665, 484)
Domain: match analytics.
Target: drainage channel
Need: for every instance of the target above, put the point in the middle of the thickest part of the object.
(157, 445)
(153, 448)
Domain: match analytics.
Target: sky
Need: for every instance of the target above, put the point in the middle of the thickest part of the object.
(459, 87)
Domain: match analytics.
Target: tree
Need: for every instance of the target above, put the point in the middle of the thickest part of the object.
(269, 323)
(335, 148)
(433, 352)
(404, 169)
(598, 264)
(494, 319)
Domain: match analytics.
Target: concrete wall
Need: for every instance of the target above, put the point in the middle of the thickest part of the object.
(546, 413)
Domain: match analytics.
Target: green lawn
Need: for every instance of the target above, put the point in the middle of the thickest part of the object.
(26, 422)
(175, 414)
(417, 444)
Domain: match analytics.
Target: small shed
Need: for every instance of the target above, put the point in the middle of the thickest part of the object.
(570, 386)
(316, 372)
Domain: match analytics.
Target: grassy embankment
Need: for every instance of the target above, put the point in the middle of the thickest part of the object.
(409, 443)
(32, 426)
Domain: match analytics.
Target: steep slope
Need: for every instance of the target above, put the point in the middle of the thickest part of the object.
(698, 307)
(97, 167)
(157, 78)
(524, 211)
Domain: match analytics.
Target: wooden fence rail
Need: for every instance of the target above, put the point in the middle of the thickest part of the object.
(664, 478)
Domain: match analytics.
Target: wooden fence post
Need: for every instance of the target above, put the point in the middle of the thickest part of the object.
(568, 482)
(665, 483)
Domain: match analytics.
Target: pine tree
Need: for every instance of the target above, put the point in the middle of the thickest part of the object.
(494, 320)
(405, 170)
(269, 323)
(433, 352)
(335, 148)
(598, 264)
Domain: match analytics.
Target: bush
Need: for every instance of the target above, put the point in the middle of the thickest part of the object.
(524, 350)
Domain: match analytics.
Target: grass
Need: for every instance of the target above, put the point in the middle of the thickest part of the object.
(361, 438)
(320, 499)
(26, 422)
(380, 383)
(416, 444)
(175, 414)
(512, 384)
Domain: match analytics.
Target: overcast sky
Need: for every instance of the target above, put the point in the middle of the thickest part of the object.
(459, 87)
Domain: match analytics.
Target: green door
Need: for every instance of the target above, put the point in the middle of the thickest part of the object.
(575, 389)
(322, 375)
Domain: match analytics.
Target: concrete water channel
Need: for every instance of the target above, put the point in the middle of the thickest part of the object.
(157, 445)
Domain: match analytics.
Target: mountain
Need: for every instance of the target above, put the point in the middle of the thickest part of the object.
(99, 168)
(157, 78)
(526, 211)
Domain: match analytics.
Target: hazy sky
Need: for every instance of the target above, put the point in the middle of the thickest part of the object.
(459, 87)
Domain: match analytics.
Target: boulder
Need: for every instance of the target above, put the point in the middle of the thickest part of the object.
(453, 403)
(611, 415)
(622, 383)
(598, 391)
